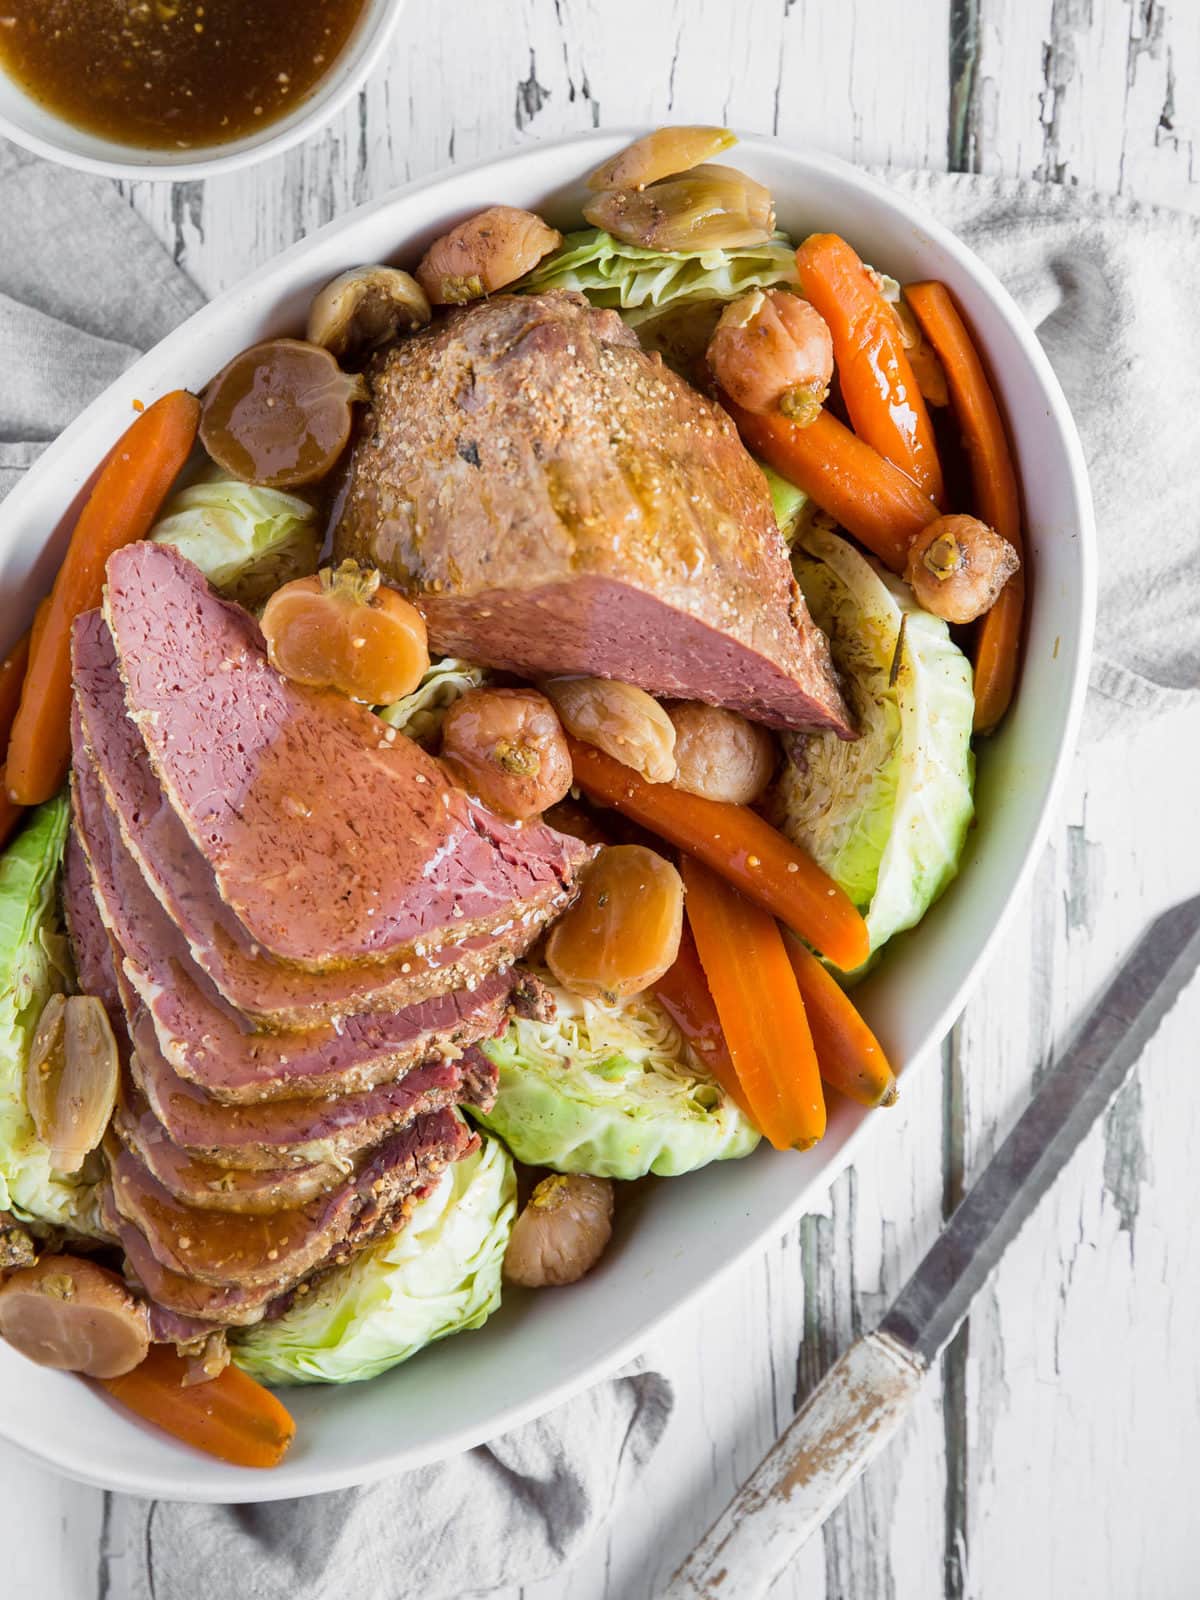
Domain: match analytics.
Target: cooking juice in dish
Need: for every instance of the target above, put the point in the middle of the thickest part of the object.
(172, 74)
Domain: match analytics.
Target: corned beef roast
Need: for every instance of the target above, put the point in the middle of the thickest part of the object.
(556, 500)
(332, 839)
(112, 766)
(298, 927)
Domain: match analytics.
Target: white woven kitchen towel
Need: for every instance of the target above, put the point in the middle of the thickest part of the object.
(510, 1512)
(84, 287)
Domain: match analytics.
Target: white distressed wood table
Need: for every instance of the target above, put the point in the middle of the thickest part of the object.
(1055, 1452)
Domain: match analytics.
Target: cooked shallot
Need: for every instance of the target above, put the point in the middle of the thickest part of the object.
(562, 1232)
(485, 253)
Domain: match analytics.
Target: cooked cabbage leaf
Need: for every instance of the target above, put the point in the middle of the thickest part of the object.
(439, 1275)
(794, 510)
(639, 282)
(246, 540)
(610, 1090)
(34, 964)
(420, 714)
(887, 814)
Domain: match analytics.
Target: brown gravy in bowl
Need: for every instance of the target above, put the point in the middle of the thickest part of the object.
(172, 74)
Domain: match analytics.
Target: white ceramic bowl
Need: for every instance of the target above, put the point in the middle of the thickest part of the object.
(679, 1236)
(49, 135)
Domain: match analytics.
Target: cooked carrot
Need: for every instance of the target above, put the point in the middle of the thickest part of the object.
(997, 496)
(758, 1001)
(880, 391)
(132, 485)
(737, 843)
(12, 676)
(867, 495)
(683, 993)
(230, 1417)
(849, 1055)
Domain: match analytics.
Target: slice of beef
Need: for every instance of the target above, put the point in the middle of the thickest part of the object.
(280, 1133)
(109, 756)
(205, 1184)
(177, 1296)
(222, 1247)
(182, 1309)
(169, 1327)
(332, 839)
(209, 1042)
(557, 501)
(89, 940)
(480, 1079)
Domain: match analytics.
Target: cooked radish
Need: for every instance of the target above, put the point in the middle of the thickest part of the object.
(279, 414)
(507, 747)
(345, 630)
(771, 351)
(957, 567)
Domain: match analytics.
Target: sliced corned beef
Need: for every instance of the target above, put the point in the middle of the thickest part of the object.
(332, 839)
(280, 1133)
(205, 1184)
(208, 1042)
(89, 938)
(111, 765)
(181, 1297)
(251, 1251)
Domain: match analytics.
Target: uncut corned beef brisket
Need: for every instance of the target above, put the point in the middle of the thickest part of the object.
(557, 501)
(332, 839)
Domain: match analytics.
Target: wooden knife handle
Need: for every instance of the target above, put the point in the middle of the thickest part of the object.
(844, 1423)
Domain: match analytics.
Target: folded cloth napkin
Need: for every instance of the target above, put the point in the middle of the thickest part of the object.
(84, 287)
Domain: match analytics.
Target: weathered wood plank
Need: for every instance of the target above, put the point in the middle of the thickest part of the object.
(51, 1533)
(1097, 94)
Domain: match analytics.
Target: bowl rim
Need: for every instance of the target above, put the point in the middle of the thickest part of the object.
(327, 98)
(237, 1485)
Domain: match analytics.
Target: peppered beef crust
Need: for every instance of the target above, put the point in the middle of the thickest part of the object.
(556, 500)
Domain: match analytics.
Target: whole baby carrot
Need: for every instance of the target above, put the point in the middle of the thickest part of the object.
(849, 1055)
(132, 485)
(735, 842)
(997, 497)
(758, 1001)
(878, 387)
(230, 1417)
(862, 491)
(684, 995)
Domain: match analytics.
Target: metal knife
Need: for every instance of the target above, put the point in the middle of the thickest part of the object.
(859, 1404)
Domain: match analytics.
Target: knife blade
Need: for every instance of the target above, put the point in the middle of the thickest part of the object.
(862, 1400)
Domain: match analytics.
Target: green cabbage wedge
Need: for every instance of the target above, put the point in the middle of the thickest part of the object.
(34, 964)
(248, 541)
(609, 1090)
(640, 283)
(887, 814)
(439, 1275)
